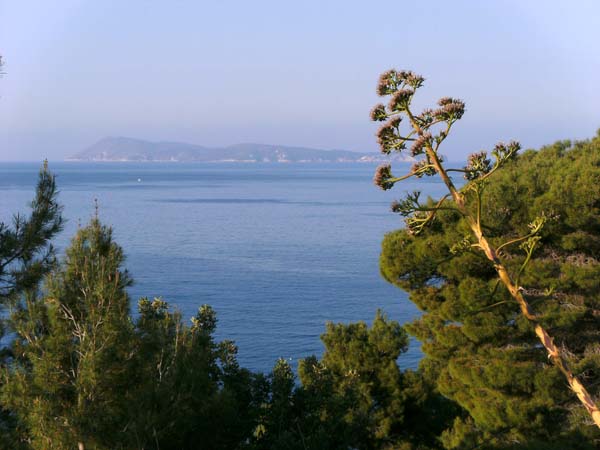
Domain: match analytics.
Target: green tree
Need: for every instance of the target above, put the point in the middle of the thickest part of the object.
(188, 390)
(85, 374)
(491, 295)
(73, 349)
(356, 396)
(280, 413)
(26, 256)
(26, 252)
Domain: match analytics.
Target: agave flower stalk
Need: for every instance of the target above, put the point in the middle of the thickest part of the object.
(427, 131)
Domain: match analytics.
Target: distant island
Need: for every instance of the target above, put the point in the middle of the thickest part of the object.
(129, 149)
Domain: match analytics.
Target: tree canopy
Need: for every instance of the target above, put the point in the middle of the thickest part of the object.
(26, 252)
(85, 373)
(479, 349)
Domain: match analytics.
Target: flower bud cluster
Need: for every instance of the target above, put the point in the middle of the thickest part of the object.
(392, 80)
(387, 83)
(425, 118)
(407, 205)
(401, 100)
(388, 136)
(394, 122)
(402, 207)
(401, 86)
(421, 168)
(504, 152)
(378, 113)
(396, 207)
(450, 109)
(478, 165)
(424, 140)
(382, 177)
(412, 79)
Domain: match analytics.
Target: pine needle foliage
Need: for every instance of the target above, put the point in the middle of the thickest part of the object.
(355, 396)
(500, 264)
(72, 351)
(26, 256)
(26, 252)
(85, 375)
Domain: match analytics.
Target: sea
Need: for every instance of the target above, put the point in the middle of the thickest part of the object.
(278, 250)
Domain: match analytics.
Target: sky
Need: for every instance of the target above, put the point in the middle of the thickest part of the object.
(299, 73)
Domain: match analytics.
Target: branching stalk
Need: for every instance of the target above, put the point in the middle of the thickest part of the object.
(554, 352)
(478, 169)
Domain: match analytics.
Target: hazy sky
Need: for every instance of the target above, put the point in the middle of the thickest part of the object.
(289, 72)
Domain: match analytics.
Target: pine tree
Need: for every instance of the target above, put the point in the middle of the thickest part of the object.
(26, 256)
(188, 391)
(85, 374)
(355, 396)
(26, 253)
(498, 266)
(72, 350)
(367, 397)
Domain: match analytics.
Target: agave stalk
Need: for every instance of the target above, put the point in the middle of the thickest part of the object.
(401, 86)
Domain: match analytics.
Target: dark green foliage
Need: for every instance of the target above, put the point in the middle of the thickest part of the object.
(84, 373)
(361, 365)
(26, 254)
(480, 349)
(355, 396)
(73, 349)
(189, 391)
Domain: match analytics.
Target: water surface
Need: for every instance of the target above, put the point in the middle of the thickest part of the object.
(276, 249)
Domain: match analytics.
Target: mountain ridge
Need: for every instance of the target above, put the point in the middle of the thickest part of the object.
(125, 149)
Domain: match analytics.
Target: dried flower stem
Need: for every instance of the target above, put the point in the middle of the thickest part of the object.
(554, 353)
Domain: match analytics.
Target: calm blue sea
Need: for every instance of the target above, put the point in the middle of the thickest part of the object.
(277, 249)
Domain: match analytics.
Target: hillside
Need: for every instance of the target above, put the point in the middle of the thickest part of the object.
(128, 149)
